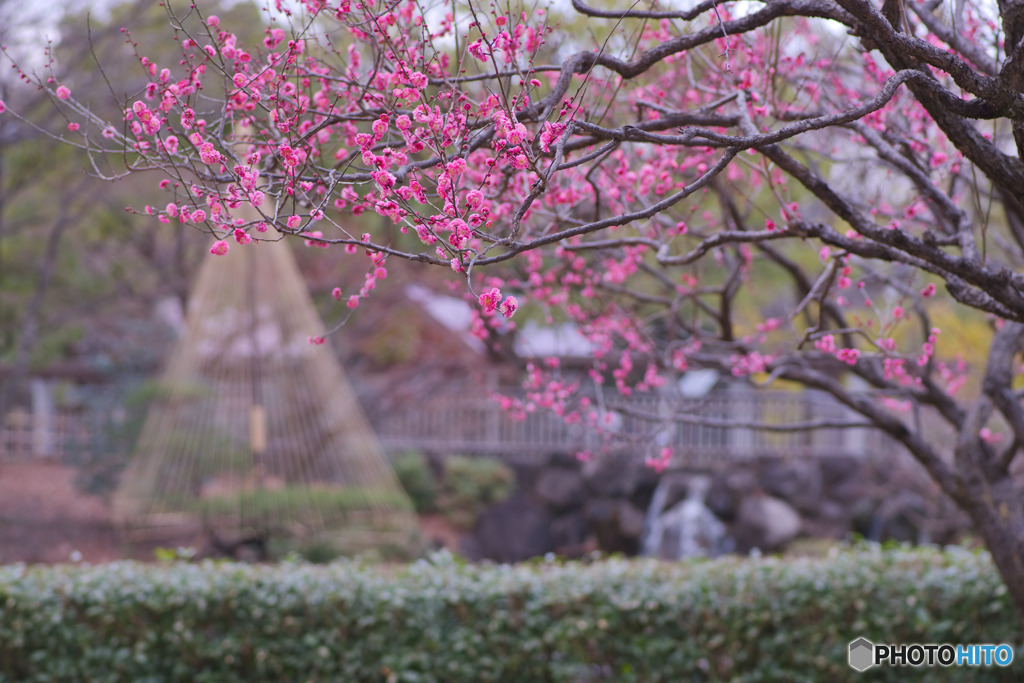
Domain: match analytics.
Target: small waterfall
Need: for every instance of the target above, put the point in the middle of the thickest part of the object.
(653, 526)
(688, 529)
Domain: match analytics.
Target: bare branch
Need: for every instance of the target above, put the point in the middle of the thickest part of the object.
(586, 10)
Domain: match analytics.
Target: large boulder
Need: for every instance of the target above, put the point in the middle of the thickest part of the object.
(560, 488)
(618, 476)
(513, 530)
(796, 482)
(900, 517)
(845, 480)
(631, 521)
(726, 492)
(831, 521)
(839, 469)
(766, 523)
(617, 524)
(570, 535)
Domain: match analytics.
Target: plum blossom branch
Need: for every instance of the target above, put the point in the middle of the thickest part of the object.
(688, 15)
(687, 135)
(990, 90)
(624, 219)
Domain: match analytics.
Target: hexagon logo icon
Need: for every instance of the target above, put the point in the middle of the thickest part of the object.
(862, 654)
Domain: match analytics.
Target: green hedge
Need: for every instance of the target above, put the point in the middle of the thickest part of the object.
(441, 620)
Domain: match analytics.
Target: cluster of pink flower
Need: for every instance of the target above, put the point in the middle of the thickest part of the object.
(660, 461)
(491, 301)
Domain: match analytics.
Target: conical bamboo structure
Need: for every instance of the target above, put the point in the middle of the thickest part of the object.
(255, 432)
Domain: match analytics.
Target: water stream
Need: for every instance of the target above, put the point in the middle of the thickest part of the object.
(687, 529)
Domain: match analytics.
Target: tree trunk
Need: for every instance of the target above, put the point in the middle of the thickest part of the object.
(996, 506)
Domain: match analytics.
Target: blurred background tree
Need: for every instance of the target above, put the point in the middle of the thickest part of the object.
(78, 278)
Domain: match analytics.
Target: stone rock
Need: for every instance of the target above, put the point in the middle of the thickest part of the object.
(899, 518)
(631, 521)
(832, 521)
(513, 530)
(727, 490)
(470, 548)
(766, 523)
(741, 480)
(617, 524)
(862, 514)
(835, 471)
(564, 460)
(833, 512)
(611, 477)
(568, 529)
(796, 482)
(560, 488)
(845, 480)
(850, 491)
(722, 500)
(569, 534)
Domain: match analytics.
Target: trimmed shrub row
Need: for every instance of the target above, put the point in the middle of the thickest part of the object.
(442, 620)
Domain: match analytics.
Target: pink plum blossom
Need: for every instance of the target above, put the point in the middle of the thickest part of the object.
(489, 300)
(509, 306)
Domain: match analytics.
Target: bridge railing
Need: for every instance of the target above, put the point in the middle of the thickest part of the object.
(719, 426)
(709, 430)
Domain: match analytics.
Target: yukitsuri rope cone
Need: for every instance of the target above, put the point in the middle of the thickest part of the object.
(255, 434)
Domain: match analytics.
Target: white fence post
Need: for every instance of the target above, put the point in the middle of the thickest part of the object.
(742, 408)
(42, 417)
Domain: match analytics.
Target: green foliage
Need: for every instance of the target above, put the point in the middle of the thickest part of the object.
(169, 555)
(319, 552)
(470, 485)
(466, 488)
(730, 619)
(299, 502)
(413, 472)
(397, 340)
(381, 539)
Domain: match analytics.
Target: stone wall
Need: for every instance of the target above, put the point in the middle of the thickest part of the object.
(571, 508)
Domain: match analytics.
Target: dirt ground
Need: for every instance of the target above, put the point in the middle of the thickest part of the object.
(44, 518)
